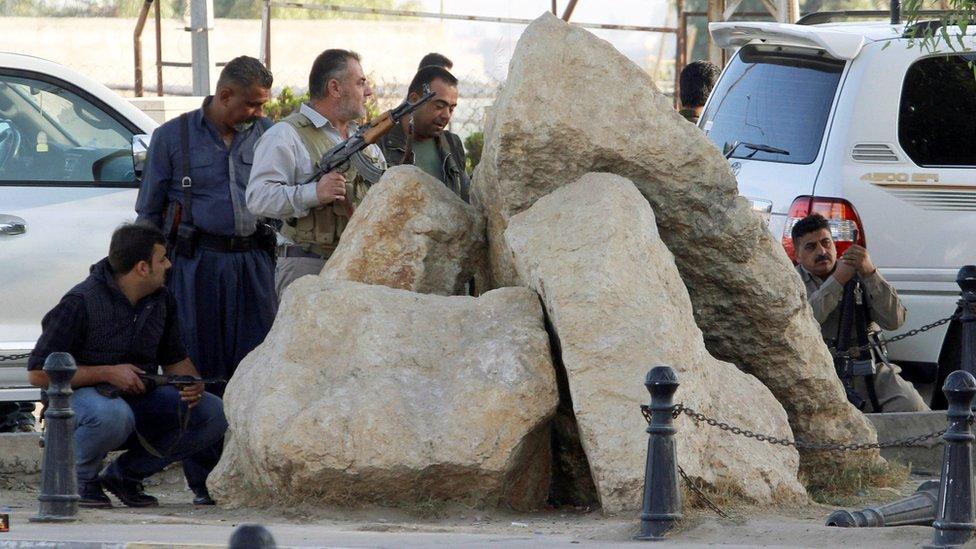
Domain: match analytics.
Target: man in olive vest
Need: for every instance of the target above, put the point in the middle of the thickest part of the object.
(314, 213)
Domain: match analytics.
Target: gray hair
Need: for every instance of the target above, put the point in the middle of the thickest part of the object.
(329, 65)
(243, 72)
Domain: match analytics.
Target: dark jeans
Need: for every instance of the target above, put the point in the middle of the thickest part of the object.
(105, 424)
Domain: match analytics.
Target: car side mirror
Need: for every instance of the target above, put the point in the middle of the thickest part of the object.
(140, 146)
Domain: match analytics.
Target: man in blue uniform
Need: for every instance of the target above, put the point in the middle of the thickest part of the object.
(223, 275)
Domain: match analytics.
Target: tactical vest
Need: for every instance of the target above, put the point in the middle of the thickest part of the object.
(318, 231)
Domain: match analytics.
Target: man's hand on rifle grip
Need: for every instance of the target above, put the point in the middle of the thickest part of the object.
(331, 187)
(125, 377)
(191, 394)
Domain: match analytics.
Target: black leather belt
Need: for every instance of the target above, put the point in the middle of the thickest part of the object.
(221, 243)
(289, 250)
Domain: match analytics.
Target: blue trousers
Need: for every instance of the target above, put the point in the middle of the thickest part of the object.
(226, 304)
(104, 424)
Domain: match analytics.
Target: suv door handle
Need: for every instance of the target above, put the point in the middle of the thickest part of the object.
(11, 225)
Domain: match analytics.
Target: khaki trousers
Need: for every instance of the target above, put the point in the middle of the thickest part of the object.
(290, 269)
(894, 393)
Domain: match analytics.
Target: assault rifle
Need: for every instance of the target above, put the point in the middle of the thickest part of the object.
(151, 381)
(348, 150)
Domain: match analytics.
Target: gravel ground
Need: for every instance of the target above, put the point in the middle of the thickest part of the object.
(176, 521)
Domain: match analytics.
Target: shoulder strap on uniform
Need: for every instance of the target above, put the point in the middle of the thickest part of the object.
(297, 119)
(186, 182)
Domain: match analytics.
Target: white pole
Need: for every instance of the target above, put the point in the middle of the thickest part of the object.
(201, 24)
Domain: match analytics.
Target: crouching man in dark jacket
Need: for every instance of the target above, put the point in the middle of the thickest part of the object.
(118, 323)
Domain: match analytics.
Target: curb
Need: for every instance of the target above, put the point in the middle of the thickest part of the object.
(35, 544)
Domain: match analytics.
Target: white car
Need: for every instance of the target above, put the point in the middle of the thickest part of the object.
(849, 120)
(69, 173)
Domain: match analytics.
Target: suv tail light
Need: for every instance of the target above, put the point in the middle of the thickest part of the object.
(840, 214)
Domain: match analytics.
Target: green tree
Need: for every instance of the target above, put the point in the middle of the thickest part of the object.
(473, 145)
(936, 37)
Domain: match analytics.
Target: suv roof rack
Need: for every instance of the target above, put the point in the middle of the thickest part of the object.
(819, 17)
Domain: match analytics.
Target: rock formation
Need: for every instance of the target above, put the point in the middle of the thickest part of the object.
(412, 233)
(597, 111)
(371, 394)
(618, 305)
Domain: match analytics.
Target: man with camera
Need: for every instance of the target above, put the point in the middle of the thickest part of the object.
(873, 386)
(223, 256)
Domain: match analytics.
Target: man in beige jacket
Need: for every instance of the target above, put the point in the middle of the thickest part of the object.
(824, 276)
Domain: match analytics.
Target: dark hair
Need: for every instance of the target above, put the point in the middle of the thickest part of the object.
(809, 224)
(243, 72)
(329, 65)
(428, 74)
(696, 83)
(436, 60)
(132, 243)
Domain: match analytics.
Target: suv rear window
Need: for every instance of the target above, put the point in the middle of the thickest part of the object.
(774, 96)
(937, 122)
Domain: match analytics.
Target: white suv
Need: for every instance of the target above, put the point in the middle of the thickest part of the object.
(68, 177)
(849, 120)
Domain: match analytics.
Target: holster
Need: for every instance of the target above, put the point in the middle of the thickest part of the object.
(267, 239)
(186, 240)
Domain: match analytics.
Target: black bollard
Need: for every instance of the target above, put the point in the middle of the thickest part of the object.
(662, 500)
(59, 487)
(918, 508)
(251, 536)
(954, 510)
(967, 283)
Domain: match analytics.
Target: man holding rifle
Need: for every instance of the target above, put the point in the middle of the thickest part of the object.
(314, 212)
(119, 324)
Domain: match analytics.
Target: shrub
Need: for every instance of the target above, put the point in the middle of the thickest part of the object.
(473, 145)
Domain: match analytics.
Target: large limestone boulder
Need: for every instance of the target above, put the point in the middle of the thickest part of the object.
(371, 394)
(618, 306)
(411, 232)
(597, 111)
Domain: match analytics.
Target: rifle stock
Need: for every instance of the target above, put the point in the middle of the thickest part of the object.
(380, 127)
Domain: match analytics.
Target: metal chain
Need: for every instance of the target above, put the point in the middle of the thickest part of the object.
(701, 495)
(679, 409)
(691, 485)
(885, 341)
(5, 358)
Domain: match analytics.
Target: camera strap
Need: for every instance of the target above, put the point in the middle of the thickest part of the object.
(842, 360)
(862, 317)
(186, 182)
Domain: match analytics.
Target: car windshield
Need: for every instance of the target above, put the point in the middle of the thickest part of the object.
(776, 96)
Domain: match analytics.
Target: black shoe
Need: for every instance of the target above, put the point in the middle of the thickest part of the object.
(202, 496)
(129, 492)
(92, 496)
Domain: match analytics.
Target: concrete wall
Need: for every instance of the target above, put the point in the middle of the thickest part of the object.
(102, 48)
(166, 108)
